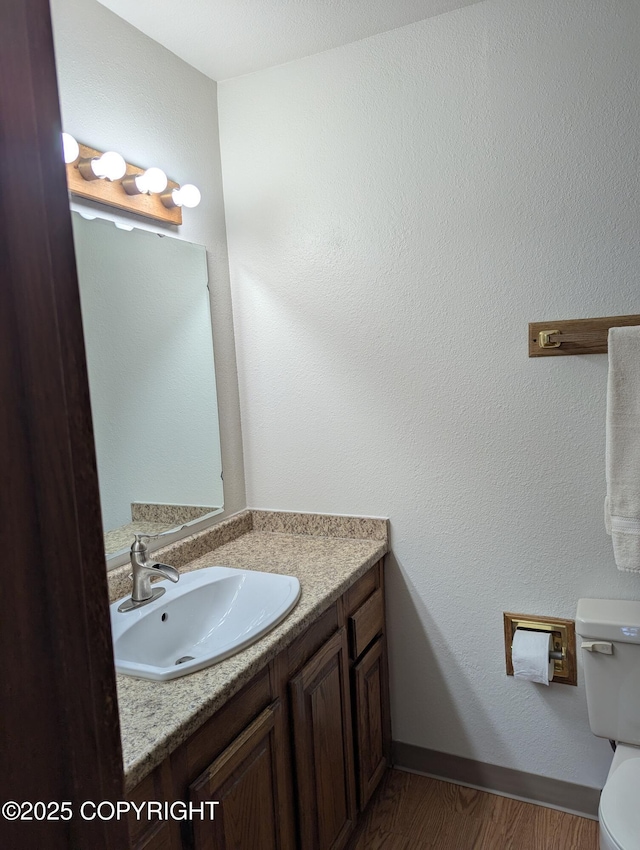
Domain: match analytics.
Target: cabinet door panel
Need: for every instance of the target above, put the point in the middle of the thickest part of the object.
(244, 780)
(321, 714)
(366, 623)
(167, 838)
(371, 720)
(152, 833)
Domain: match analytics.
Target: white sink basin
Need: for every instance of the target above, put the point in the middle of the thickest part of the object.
(208, 615)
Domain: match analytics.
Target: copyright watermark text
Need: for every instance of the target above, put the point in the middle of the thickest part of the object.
(106, 810)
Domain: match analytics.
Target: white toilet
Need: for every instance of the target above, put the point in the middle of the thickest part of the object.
(610, 632)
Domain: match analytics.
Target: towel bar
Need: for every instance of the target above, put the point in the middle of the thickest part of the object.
(575, 336)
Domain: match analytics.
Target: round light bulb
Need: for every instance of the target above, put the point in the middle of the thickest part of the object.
(70, 148)
(187, 196)
(109, 166)
(154, 180)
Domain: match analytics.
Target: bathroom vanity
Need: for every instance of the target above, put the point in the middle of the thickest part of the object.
(290, 736)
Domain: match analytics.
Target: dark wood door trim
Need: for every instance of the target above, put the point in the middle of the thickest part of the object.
(60, 734)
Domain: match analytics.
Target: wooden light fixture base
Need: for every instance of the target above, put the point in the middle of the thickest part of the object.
(112, 193)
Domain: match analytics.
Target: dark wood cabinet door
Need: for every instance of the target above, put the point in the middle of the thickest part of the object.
(149, 832)
(165, 838)
(244, 780)
(371, 721)
(323, 745)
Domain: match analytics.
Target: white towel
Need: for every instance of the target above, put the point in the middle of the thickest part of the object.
(622, 504)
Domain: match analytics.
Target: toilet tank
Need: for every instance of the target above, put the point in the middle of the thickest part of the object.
(612, 681)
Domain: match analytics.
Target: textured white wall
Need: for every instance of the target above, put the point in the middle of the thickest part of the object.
(398, 210)
(121, 90)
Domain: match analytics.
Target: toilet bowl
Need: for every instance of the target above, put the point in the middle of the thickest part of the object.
(619, 811)
(611, 659)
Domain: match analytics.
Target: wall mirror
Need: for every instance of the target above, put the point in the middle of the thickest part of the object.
(147, 325)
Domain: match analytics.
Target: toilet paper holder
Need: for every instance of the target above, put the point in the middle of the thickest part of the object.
(565, 669)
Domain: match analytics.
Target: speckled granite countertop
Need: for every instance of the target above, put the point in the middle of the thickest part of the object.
(327, 554)
(150, 518)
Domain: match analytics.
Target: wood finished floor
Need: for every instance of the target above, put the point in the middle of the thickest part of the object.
(410, 812)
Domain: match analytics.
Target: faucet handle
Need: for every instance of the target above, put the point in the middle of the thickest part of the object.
(139, 536)
(138, 544)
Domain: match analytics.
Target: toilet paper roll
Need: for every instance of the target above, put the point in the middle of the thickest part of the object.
(530, 656)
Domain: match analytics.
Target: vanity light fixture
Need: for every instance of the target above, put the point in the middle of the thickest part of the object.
(70, 148)
(107, 166)
(150, 182)
(108, 179)
(186, 196)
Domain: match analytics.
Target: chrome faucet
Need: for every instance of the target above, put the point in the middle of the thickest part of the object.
(143, 570)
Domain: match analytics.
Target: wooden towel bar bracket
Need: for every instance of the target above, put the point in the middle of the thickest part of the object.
(574, 336)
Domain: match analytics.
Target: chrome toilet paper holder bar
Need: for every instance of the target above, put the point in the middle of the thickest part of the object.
(563, 634)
